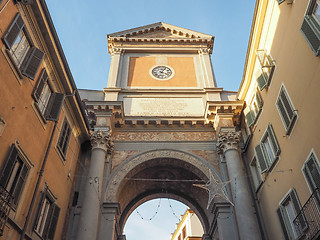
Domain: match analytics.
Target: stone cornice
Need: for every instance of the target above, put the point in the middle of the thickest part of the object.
(102, 140)
(228, 140)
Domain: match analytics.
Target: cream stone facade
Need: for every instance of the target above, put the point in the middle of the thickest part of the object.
(171, 127)
(281, 134)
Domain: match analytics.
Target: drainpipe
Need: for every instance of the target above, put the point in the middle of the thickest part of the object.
(42, 171)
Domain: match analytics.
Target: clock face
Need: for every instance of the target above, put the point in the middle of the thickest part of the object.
(162, 72)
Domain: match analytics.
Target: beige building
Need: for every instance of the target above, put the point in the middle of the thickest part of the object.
(281, 133)
(189, 227)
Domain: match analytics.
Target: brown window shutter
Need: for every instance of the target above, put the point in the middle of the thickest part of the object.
(42, 197)
(53, 222)
(20, 182)
(32, 62)
(7, 169)
(40, 84)
(54, 107)
(13, 31)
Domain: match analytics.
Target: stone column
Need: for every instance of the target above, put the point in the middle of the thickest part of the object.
(228, 143)
(90, 210)
(108, 226)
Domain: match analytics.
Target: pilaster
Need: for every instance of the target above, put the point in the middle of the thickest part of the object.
(108, 223)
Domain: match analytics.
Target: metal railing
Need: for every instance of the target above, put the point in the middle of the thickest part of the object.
(307, 221)
(5, 207)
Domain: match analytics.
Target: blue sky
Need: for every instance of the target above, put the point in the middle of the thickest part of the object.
(82, 27)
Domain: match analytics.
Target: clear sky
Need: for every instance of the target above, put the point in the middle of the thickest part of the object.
(82, 27)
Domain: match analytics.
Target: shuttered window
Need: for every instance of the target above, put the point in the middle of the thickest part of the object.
(47, 217)
(311, 26)
(64, 138)
(268, 150)
(288, 210)
(265, 72)
(280, 1)
(311, 170)
(286, 110)
(26, 57)
(14, 174)
(256, 173)
(253, 109)
(54, 106)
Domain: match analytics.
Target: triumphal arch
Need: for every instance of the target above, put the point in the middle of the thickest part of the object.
(162, 128)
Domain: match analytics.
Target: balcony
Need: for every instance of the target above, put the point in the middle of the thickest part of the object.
(307, 221)
(5, 207)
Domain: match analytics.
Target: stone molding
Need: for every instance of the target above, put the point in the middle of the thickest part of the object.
(130, 163)
(102, 140)
(228, 140)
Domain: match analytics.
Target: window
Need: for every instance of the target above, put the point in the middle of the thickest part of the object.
(256, 173)
(14, 174)
(25, 57)
(179, 238)
(64, 138)
(311, 26)
(288, 209)
(264, 74)
(311, 170)
(286, 109)
(47, 216)
(268, 150)
(184, 234)
(253, 110)
(42, 92)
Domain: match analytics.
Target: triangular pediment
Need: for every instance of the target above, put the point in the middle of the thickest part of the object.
(160, 30)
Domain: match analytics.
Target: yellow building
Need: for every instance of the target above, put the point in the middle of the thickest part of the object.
(281, 134)
(42, 125)
(189, 227)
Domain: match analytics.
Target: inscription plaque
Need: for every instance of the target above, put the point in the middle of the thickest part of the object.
(177, 107)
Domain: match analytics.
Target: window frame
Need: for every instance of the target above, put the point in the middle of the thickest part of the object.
(265, 163)
(293, 120)
(32, 59)
(310, 28)
(45, 225)
(266, 68)
(312, 155)
(42, 82)
(288, 228)
(255, 170)
(253, 110)
(9, 167)
(62, 145)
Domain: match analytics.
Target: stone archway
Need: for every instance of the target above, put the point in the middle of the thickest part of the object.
(153, 174)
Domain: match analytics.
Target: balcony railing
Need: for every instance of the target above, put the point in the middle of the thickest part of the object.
(5, 207)
(307, 221)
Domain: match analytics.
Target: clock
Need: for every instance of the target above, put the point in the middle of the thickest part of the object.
(162, 72)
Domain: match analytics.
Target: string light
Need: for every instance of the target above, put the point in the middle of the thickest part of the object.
(155, 214)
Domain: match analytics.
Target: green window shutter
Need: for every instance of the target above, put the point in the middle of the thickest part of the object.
(261, 158)
(7, 169)
(13, 31)
(310, 30)
(262, 83)
(282, 222)
(283, 113)
(297, 206)
(259, 100)
(53, 220)
(43, 78)
(32, 63)
(274, 141)
(54, 107)
(250, 117)
(312, 172)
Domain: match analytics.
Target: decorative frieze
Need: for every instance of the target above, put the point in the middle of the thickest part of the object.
(102, 139)
(228, 140)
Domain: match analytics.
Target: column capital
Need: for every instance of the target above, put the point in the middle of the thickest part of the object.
(102, 139)
(228, 140)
